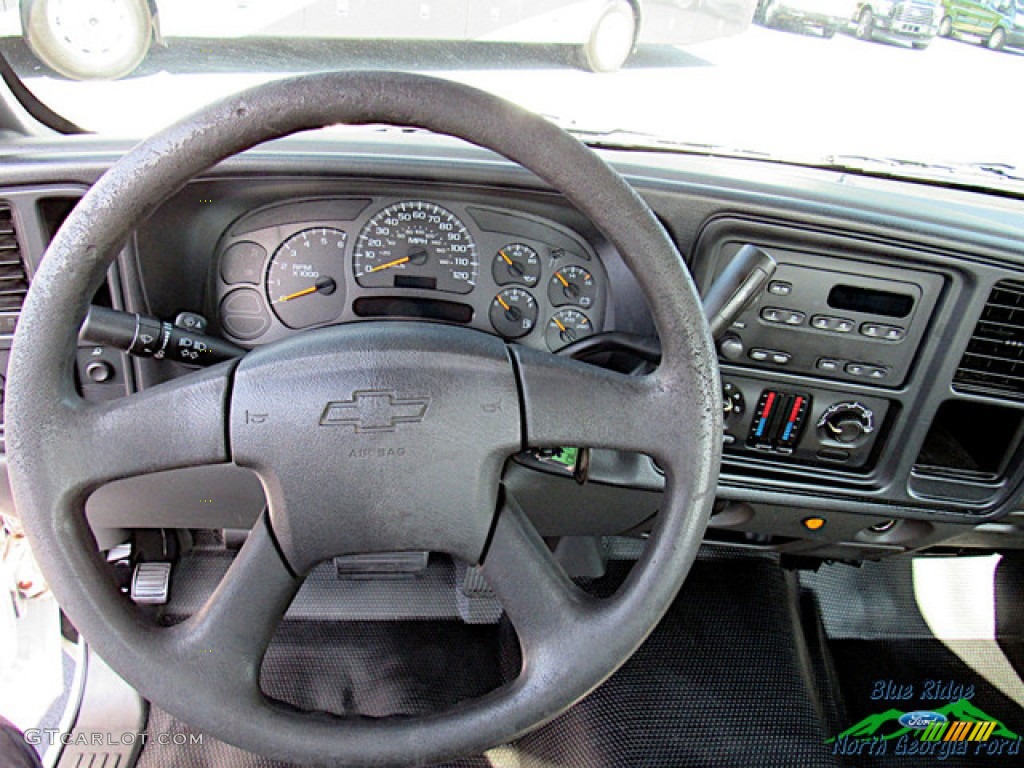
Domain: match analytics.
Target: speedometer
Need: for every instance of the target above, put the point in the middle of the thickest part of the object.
(416, 244)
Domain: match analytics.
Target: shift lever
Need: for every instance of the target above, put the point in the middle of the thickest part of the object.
(735, 287)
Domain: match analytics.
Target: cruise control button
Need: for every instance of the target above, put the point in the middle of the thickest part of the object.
(780, 288)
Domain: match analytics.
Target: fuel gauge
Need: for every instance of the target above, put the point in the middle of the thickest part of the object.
(572, 285)
(565, 327)
(516, 263)
(513, 313)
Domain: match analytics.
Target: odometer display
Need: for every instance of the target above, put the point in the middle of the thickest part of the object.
(415, 244)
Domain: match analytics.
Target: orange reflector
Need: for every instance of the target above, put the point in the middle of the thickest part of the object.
(813, 523)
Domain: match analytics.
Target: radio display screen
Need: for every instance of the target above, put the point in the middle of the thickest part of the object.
(869, 301)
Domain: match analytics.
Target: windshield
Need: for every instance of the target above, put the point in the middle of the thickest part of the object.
(817, 81)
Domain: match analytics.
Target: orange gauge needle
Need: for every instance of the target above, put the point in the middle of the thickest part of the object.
(559, 324)
(297, 294)
(506, 258)
(388, 265)
(562, 280)
(503, 304)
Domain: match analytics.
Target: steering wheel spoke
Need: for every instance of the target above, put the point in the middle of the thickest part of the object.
(541, 601)
(567, 402)
(180, 423)
(230, 634)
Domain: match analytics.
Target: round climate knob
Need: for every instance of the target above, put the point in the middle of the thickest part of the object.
(846, 422)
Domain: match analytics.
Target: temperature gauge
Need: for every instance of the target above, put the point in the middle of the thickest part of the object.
(572, 285)
(513, 313)
(565, 327)
(516, 263)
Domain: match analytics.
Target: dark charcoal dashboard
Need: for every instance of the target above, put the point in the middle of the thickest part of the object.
(873, 391)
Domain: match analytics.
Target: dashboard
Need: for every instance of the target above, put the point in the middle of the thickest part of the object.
(873, 390)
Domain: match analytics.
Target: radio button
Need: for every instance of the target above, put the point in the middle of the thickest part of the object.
(866, 371)
(773, 314)
(794, 318)
(829, 323)
(894, 333)
(883, 331)
(828, 364)
(780, 288)
(770, 355)
(857, 369)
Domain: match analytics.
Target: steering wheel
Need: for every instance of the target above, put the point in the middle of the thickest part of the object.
(481, 400)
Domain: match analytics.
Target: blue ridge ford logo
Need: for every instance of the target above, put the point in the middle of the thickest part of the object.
(374, 410)
(921, 719)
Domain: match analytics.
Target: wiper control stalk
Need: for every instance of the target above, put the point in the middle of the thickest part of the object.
(183, 341)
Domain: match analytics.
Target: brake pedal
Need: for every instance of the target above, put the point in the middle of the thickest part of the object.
(151, 583)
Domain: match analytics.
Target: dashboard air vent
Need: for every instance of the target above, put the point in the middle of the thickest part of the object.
(993, 363)
(13, 277)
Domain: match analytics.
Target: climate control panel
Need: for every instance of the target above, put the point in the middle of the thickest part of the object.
(805, 424)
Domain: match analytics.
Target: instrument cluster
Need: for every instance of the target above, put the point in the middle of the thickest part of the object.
(309, 263)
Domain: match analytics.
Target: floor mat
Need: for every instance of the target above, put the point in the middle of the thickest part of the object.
(723, 680)
(919, 660)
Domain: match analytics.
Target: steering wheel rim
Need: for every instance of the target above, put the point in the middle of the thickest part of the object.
(62, 448)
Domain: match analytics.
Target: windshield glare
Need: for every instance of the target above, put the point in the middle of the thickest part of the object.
(925, 81)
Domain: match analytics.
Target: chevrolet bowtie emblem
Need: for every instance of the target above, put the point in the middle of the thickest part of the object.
(374, 410)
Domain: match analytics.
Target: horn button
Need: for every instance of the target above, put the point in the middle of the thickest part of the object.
(377, 437)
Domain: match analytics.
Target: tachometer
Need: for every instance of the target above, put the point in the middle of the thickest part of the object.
(416, 244)
(304, 278)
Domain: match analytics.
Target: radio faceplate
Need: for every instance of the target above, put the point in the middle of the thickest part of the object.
(833, 318)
